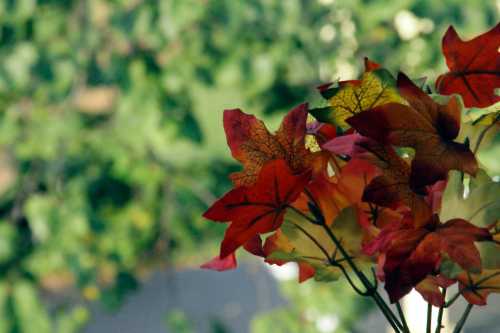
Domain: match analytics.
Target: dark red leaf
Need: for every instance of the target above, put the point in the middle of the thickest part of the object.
(474, 67)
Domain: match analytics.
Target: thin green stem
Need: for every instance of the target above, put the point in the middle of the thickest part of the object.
(370, 290)
(396, 325)
(402, 317)
(330, 260)
(440, 313)
(311, 237)
(452, 299)
(351, 282)
(463, 319)
(307, 217)
(483, 133)
(429, 317)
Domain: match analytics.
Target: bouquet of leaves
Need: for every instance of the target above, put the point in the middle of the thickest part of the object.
(384, 184)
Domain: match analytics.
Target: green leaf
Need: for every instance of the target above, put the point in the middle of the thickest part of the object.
(481, 206)
(297, 233)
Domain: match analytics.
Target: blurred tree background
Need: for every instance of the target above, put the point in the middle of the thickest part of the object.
(111, 140)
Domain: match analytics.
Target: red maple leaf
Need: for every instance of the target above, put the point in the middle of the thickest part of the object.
(258, 208)
(410, 254)
(253, 246)
(424, 125)
(474, 67)
(391, 188)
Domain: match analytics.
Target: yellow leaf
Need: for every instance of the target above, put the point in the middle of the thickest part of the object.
(375, 88)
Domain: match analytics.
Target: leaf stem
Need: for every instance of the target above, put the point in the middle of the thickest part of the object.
(396, 325)
(402, 316)
(463, 319)
(301, 213)
(429, 317)
(330, 260)
(483, 133)
(452, 299)
(440, 313)
(370, 289)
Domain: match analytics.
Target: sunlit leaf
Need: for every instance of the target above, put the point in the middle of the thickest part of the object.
(374, 88)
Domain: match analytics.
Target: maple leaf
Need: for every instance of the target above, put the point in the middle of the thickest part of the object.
(480, 206)
(424, 125)
(278, 243)
(475, 288)
(306, 243)
(474, 67)
(332, 194)
(259, 208)
(221, 264)
(253, 246)
(482, 116)
(482, 131)
(410, 254)
(429, 289)
(375, 87)
(392, 188)
(252, 144)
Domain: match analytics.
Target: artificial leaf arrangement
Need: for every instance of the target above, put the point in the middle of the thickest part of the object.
(381, 186)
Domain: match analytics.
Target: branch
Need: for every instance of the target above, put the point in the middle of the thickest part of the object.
(402, 317)
(440, 313)
(483, 133)
(429, 317)
(463, 319)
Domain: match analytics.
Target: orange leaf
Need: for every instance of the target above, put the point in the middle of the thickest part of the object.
(429, 289)
(392, 188)
(476, 287)
(333, 194)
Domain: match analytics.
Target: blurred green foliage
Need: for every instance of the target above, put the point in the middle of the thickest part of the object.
(111, 142)
(317, 307)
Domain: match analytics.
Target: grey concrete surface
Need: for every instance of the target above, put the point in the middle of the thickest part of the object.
(234, 298)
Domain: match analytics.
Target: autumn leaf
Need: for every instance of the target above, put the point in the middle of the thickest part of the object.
(252, 144)
(480, 206)
(474, 67)
(259, 208)
(482, 116)
(475, 288)
(253, 246)
(410, 254)
(429, 288)
(424, 125)
(304, 242)
(221, 264)
(482, 131)
(375, 87)
(390, 189)
(332, 194)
